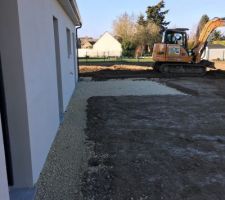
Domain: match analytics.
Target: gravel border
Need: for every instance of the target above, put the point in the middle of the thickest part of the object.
(67, 159)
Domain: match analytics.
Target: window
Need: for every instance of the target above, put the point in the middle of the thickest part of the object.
(175, 38)
(69, 42)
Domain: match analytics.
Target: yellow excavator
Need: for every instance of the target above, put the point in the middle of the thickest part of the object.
(172, 56)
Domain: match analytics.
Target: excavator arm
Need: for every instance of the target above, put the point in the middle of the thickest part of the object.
(201, 43)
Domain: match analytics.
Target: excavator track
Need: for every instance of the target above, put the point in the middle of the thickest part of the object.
(182, 69)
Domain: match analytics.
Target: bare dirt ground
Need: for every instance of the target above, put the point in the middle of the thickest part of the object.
(136, 71)
(158, 147)
(115, 71)
(220, 65)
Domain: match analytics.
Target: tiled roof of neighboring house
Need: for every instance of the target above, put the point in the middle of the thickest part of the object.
(216, 46)
(87, 42)
(86, 45)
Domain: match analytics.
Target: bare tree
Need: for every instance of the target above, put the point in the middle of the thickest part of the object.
(192, 37)
(124, 27)
(135, 36)
(146, 36)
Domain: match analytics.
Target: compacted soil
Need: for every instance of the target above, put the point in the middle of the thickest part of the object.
(158, 147)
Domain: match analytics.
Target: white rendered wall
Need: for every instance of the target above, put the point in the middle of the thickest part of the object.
(38, 51)
(214, 54)
(4, 192)
(14, 86)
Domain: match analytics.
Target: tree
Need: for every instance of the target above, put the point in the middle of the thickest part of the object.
(141, 20)
(157, 16)
(204, 19)
(147, 35)
(217, 35)
(124, 27)
(149, 28)
(128, 48)
(192, 37)
(143, 32)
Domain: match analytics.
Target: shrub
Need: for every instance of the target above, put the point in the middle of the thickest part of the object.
(128, 49)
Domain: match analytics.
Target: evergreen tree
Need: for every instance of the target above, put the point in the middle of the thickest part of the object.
(141, 20)
(156, 15)
(128, 48)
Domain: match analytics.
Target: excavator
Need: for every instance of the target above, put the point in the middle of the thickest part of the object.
(172, 56)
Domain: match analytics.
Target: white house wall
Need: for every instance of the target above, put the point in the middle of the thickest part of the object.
(38, 52)
(13, 77)
(4, 192)
(214, 54)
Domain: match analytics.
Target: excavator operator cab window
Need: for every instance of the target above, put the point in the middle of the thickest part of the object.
(179, 39)
(171, 37)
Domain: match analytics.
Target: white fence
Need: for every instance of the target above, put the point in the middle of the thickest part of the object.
(92, 53)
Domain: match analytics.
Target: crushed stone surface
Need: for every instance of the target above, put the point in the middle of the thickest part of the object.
(67, 159)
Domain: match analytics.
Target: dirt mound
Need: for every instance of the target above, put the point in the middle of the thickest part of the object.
(136, 71)
(86, 68)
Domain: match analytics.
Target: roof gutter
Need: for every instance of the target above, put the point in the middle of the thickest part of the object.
(71, 9)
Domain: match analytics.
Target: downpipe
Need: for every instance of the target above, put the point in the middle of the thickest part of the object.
(77, 41)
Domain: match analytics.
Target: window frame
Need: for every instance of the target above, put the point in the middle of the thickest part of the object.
(69, 45)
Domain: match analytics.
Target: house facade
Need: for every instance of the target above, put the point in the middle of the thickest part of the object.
(106, 46)
(4, 194)
(214, 52)
(39, 71)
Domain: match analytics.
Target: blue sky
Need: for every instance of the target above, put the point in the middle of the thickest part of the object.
(98, 15)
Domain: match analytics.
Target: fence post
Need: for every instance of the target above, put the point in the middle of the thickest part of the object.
(86, 57)
(208, 54)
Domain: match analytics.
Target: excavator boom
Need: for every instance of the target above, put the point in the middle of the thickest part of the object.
(201, 43)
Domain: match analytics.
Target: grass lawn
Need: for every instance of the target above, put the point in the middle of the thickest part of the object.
(219, 42)
(123, 60)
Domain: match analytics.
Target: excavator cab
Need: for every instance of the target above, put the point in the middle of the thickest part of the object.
(176, 36)
(173, 48)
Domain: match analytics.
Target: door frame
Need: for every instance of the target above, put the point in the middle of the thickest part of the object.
(5, 129)
(58, 68)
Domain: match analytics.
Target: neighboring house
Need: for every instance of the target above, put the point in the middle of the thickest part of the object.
(108, 44)
(86, 43)
(105, 46)
(38, 56)
(214, 52)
